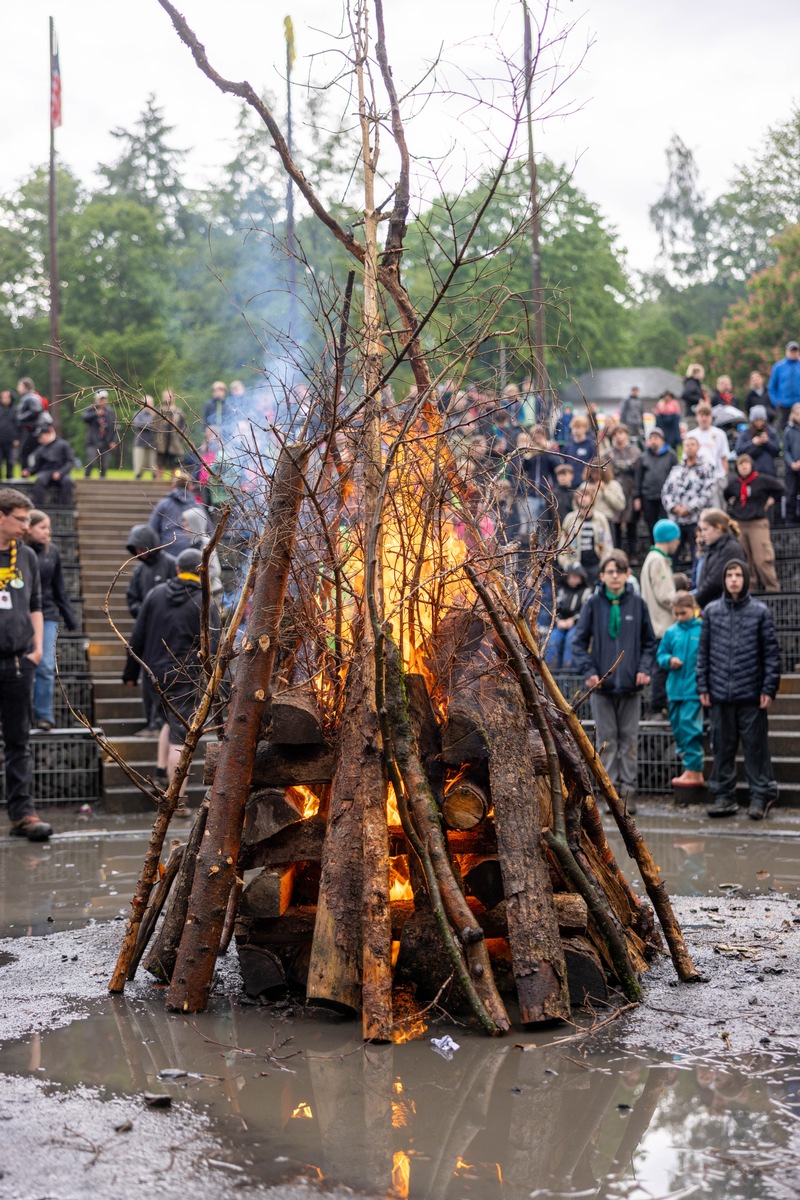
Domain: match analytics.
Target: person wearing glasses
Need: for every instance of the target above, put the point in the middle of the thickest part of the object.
(614, 648)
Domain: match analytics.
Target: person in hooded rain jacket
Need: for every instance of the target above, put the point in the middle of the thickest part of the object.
(167, 518)
(154, 566)
(677, 655)
(738, 674)
(166, 638)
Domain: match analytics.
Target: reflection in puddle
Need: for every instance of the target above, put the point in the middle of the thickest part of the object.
(304, 1098)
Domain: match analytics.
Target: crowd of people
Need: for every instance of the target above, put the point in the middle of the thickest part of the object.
(707, 492)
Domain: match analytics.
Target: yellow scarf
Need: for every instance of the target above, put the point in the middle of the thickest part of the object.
(10, 572)
(188, 575)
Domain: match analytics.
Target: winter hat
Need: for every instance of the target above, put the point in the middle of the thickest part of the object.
(189, 561)
(575, 568)
(665, 531)
(758, 413)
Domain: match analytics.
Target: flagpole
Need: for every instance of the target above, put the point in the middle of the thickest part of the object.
(52, 224)
(291, 242)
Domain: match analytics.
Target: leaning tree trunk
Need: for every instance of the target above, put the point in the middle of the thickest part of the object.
(216, 867)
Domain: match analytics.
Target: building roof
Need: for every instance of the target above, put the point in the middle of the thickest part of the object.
(612, 385)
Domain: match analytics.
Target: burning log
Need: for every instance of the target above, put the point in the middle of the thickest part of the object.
(219, 851)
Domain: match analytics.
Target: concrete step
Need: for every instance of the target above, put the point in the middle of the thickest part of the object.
(128, 799)
(790, 685)
(126, 706)
(115, 777)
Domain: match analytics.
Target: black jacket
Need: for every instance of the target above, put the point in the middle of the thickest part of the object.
(57, 456)
(692, 393)
(739, 658)
(651, 473)
(759, 490)
(55, 598)
(16, 630)
(166, 635)
(166, 520)
(715, 560)
(153, 567)
(594, 651)
(9, 429)
(764, 456)
(101, 427)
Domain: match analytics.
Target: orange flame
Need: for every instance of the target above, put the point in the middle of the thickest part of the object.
(303, 1110)
(400, 888)
(401, 1174)
(304, 800)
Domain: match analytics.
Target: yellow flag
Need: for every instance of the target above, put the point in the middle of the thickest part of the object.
(288, 30)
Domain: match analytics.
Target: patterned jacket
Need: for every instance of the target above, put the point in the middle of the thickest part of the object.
(691, 486)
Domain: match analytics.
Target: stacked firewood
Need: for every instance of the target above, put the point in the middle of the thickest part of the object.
(444, 832)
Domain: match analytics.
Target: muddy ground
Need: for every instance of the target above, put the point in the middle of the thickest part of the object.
(696, 1092)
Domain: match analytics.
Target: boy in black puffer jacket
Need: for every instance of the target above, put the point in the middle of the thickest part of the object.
(738, 673)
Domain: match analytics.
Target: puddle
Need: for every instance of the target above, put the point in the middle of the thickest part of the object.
(303, 1098)
(284, 1096)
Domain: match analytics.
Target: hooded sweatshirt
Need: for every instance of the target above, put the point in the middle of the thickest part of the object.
(166, 635)
(738, 659)
(167, 519)
(154, 566)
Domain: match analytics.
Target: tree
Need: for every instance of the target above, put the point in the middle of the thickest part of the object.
(761, 201)
(586, 288)
(148, 169)
(753, 334)
(680, 217)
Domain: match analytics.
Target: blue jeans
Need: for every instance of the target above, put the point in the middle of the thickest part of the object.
(46, 676)
(559, 648)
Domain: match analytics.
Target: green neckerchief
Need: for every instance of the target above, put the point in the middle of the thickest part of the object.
(614, 616)
(663, 553)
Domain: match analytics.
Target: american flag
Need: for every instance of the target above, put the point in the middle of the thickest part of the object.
(55, 81)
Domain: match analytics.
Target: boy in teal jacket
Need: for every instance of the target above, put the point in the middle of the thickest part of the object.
(677, 654)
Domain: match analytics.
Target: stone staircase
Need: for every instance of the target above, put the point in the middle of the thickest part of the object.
(106, 511)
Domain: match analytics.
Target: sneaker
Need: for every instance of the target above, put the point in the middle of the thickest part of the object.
(723, 808)
(759, 807)
(147, 732)
(182, 811)
(45, 725)
(31, 827)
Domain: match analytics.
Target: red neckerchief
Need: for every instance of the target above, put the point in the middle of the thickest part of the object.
(727, 397)
(743, 486)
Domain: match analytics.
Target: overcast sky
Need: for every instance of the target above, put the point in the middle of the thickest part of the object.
(717, 72)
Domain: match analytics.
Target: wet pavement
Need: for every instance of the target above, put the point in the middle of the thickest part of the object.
(695, 1094)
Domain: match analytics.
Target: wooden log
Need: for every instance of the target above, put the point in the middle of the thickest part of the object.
(571, 911)
(268, 811)
(219, 851)
(279, 766)
(160, 961)
(465, 805)
(539, 966)
(158, 898)
(230, 917)
(427, 732)
(463, 939)
(587, 979)
(295, 718)
(335, 972)
(269, 894)
(262, 972)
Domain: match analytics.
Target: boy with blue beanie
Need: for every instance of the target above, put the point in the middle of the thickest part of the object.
(677, 654)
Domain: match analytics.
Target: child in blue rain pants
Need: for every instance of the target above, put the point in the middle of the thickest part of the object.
(677, 654)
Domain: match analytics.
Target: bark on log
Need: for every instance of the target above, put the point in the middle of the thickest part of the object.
(539, 965)
(422, 824)
(302, 841)
(335, 973)
(279, 766)
(160, 961)
(219, 851)
(262, 972)
(268, 811)
(295, 718)
(158, 898)
(427, 732)
(587, 979)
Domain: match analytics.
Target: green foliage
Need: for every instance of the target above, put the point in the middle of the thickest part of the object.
(755, 331)
(585, 287)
